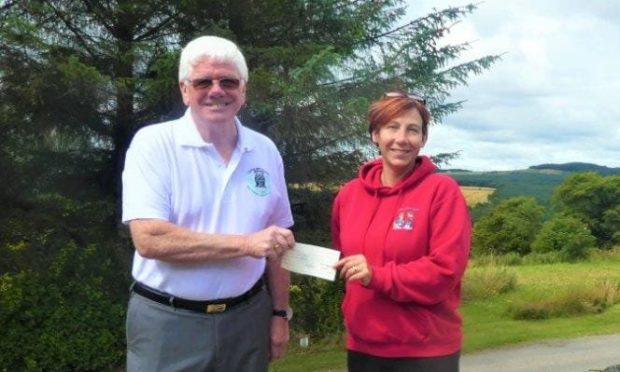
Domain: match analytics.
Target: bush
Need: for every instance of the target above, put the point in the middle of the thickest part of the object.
(509, 227)
(316, 301)
(61, 319)
(611, 223)
(595, 199)
(481, 283)
(573, 301)
(566, 235)
(317, 306)
(62, 297)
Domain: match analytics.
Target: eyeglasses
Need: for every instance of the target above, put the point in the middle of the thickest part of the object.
(412, 96)
(207, 83)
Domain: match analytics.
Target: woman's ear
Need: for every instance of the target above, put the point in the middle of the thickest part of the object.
(373, 138)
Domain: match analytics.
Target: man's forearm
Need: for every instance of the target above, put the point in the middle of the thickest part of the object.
(279, 280)
(162, 240)
(168, 242)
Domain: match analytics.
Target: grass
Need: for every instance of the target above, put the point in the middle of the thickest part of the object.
(575, 300)
(484, 282)
(487, 326)
(487, 321)
(476, 195)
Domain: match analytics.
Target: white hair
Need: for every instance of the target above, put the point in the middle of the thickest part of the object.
(212, 47)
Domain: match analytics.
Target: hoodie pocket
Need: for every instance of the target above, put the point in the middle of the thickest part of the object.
(377, 319)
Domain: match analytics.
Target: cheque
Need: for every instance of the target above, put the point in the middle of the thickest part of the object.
(311, 260)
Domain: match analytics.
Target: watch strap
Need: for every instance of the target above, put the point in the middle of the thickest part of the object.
(286, 314)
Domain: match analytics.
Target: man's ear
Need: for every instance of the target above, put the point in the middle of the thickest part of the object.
(243, 90)
(184, 92)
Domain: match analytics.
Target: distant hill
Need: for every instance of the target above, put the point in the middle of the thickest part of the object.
(579, 167)
(538, 181)
(455, 170)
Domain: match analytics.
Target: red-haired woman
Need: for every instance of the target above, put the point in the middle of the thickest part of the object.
(404, 232)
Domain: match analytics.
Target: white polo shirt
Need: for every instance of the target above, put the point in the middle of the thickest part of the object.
(172, 174)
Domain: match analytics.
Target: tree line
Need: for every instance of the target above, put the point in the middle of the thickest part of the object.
(585, 214)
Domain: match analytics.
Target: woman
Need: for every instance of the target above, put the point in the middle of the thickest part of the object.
(404, 232)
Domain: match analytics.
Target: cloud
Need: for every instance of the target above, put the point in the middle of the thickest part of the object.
(552, 97)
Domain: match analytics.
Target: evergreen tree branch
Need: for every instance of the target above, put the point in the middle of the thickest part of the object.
(74, 30)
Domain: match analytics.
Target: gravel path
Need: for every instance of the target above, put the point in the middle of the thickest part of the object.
(592, 353)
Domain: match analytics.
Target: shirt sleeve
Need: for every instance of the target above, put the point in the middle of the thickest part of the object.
(146, 182)
(282, 215)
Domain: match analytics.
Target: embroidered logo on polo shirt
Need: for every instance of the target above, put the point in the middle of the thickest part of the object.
(259, 181)
(404, 219)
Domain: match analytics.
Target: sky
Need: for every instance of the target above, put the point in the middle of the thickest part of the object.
(552, 98)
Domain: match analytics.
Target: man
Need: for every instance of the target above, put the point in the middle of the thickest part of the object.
(207, 207)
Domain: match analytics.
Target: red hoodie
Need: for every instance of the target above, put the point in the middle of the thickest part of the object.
(416, 237)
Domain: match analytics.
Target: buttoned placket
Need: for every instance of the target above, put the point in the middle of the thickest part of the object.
(224, 175)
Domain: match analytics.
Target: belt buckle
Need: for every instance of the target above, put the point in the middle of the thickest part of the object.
(216, 308)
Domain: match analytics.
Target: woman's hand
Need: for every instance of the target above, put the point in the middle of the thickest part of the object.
(355, 268)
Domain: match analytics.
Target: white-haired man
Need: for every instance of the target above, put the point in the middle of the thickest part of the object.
(208, 211)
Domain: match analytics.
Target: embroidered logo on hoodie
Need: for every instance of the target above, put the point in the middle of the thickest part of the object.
(404, 219)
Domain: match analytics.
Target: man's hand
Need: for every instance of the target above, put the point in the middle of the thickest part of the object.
(279, 338)
(271, 242)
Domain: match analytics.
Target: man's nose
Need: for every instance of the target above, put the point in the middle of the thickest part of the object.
(216, 88)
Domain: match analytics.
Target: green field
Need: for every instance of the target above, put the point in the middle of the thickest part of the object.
(487, 323)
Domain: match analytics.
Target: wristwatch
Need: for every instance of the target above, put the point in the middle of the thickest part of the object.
(286, 314)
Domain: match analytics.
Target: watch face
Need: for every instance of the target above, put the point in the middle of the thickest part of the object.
(289, 313)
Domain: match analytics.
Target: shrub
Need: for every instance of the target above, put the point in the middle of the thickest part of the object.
(485, 282)
(573, 301)
(317, 306)
(64, 288)
(509, 227)
(611, 224)
(316, 301)
(566, 235)
(62, 318)
(595, 199)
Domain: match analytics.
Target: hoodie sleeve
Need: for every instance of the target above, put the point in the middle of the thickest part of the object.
(335, 222)
(433, 277)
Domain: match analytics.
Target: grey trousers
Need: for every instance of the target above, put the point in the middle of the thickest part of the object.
(161, 338)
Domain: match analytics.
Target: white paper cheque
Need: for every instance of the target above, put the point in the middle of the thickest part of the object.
(311, 260)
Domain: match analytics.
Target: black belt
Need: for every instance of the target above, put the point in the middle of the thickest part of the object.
(209, 307)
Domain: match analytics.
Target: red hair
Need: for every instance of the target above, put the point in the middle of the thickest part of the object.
(387, 108)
